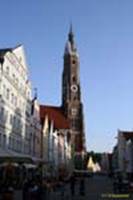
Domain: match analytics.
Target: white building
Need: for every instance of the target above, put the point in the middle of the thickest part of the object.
(56, 147)
(125, 152)
(129, 156)
(105, 162)
(36, 134)
(15, 103)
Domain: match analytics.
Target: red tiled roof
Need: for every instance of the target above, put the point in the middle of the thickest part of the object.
(55, 114)
(128, 135)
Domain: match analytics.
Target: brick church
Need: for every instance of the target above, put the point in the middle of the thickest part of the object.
(71, 110)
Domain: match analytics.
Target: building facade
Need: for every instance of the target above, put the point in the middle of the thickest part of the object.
(36, 134)
(56, 146)
(123, 154)
(16, 119)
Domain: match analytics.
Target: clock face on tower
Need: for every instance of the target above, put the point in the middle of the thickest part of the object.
(74, 88)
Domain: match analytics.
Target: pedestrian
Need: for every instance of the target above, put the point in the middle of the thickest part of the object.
(72, 185)
(33, 191)
(49, 189)
(25, 190)
(120, 185)
(44, 189)
(62, 187)
(40, 193)
(8, 194)
(82, 187)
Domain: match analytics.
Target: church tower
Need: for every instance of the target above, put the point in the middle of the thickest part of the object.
(71, 96)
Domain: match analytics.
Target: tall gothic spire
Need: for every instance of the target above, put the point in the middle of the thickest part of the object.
(71, 35)
(70, 45)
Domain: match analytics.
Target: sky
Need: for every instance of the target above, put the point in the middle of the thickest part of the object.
(104, 36)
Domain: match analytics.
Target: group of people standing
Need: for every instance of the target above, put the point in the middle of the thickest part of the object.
(45, 189)
(73, 186)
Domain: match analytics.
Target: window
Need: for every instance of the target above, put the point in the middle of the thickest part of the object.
(17, 81)
(1, 113)
(7, 70)
(4, 140)
(0, 139)
(13, 143)
(7, 93)
(14, 121)
(6, 115)
(20, 58)
(13, 76)
(73, 123)
(73, 79)
(10, 143)
(74, 111)
(11, 119)
(28, 94)
(15, 101)
(12, 98)
(20, 104)
(73, 62)
(4, 90)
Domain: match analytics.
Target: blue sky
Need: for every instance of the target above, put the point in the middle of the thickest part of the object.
(104, 36)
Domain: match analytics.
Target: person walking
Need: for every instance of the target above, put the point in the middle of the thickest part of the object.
(8, 194)
(82, 187)
(72, 185)
(25, 190)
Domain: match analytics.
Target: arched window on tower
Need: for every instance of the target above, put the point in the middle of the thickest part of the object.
(74, 62)
(73, 78)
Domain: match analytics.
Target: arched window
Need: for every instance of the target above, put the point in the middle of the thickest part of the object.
(73, 78)
(74, 62)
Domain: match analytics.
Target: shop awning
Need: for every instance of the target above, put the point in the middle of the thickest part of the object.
(9, 156)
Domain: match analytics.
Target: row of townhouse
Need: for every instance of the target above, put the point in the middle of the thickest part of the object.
(56, 141)
(122, 159)
(25, 133)
(106, 162)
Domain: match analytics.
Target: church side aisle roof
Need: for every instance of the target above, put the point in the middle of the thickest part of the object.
(56, 115)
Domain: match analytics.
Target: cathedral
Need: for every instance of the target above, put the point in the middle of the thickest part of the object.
(71, 109)
(71, 94)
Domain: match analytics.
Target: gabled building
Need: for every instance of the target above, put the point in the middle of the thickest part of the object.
(125, 152)
(15, 102)
(115, 159)
(56, 146)
(20, 130)
(106, 162)
(36, 131)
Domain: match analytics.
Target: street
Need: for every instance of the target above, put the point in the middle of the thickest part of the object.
(98, 187)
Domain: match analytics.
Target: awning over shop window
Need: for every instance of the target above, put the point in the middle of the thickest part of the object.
(8, 156)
